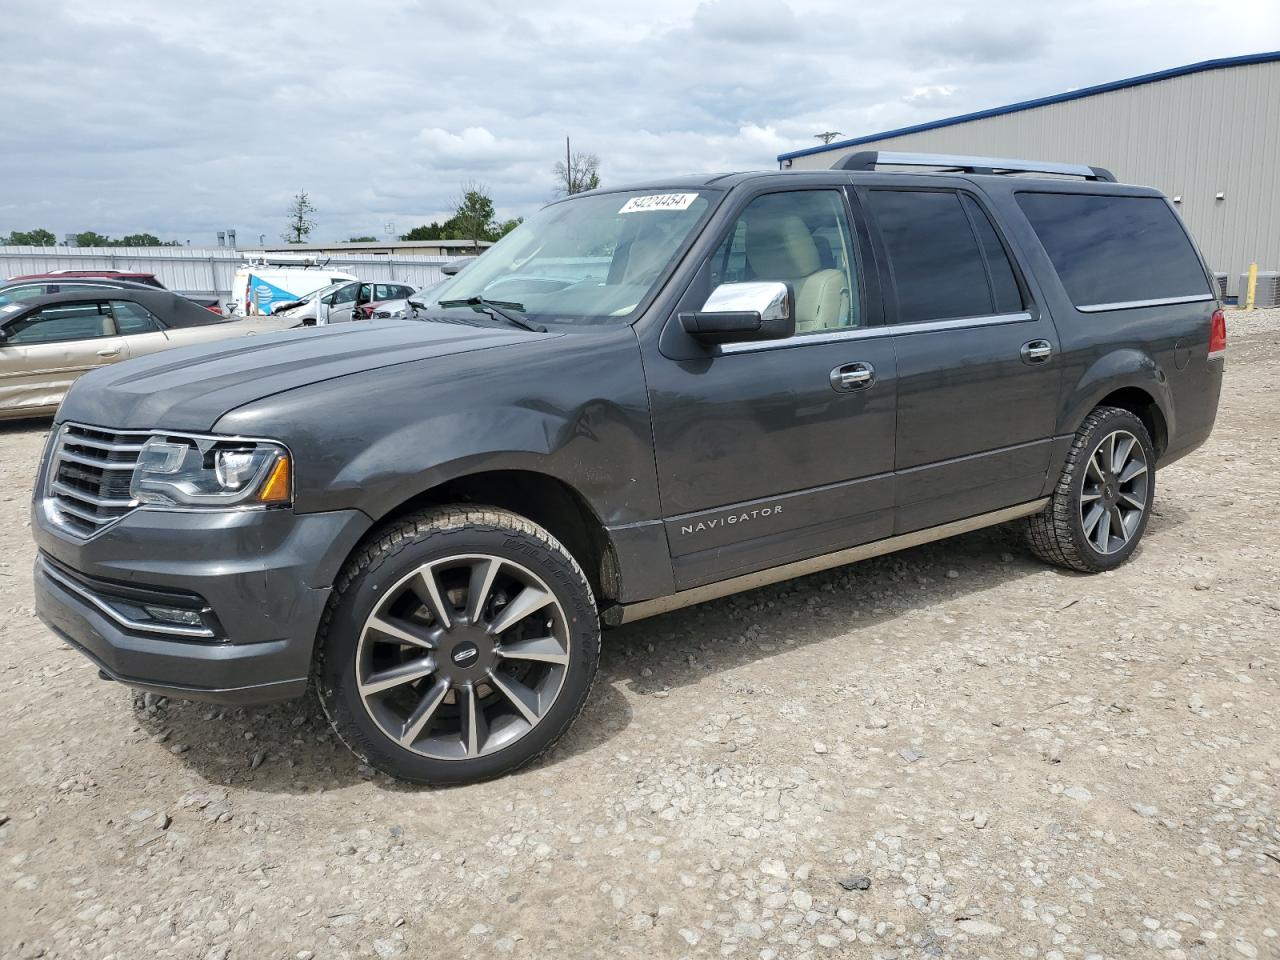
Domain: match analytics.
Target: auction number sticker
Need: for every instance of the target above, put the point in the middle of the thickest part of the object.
(659, 201)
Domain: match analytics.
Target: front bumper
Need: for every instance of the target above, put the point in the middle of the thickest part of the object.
(261, 579)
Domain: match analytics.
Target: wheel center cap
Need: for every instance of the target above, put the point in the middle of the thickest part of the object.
(465, 654)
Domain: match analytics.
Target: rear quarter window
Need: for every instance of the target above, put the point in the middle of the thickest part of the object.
(1111, 250)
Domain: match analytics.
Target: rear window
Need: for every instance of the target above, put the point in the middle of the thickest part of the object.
(1115, 251)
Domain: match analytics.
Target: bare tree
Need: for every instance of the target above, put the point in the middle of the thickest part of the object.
(576, 172)
(301, 222)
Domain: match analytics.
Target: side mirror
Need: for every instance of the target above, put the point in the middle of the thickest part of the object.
(455, 266)
(744, 312)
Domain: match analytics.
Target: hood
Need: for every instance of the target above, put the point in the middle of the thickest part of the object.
(192, 387)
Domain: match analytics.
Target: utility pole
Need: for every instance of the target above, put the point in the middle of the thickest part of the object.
(827, 136)
(568, 170)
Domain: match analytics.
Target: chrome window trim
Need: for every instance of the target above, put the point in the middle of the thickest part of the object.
(1134, 304)
(177, 630)
(868, 333)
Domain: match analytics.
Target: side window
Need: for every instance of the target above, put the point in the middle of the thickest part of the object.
(132, 318)
(1004, 283)
(366, 292)
(16, 294)
(938, 268)
(345, 294)
(1115, 250)
(801, 237)
(60, 323)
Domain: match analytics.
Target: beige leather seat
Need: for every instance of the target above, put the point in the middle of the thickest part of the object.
(780, 247)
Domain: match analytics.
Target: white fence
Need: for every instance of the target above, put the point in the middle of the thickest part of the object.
(206, 272)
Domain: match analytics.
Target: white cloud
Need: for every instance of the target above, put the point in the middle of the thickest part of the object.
(182, 119)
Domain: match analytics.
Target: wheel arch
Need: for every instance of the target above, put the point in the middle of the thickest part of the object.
(1131, 380)
(538, 496)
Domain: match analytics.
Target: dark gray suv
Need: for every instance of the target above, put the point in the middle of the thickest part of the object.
(642, 398)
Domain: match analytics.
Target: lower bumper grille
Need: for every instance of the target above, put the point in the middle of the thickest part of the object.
(89, 476)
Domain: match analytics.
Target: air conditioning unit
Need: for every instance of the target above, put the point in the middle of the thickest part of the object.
(1220, 281)
(1266, 293)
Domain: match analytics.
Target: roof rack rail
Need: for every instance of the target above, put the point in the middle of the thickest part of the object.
(870, 159)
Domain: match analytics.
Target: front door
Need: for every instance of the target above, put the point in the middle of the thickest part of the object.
(777, 451)
(978, 370)
(45, 351)
(340, 304)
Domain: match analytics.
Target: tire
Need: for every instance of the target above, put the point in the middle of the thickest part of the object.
(1062, 533)
(425, 683)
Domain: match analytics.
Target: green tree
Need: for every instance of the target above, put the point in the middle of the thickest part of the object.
(301, 219)
(139, 240)
(32, 238)
(362, 240)
(581, 174)
(508, 225)
(432, 231)
(474, 217)
(91, 238)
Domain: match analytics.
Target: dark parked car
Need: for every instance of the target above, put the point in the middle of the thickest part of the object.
(57, 280)
(46, 342)
(640, 399)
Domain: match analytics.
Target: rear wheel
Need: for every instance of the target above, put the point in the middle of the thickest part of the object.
(458, 646)
(1099, 509)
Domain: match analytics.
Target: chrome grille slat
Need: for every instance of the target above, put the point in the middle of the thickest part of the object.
(87, 497)
(89, 477)
(69, 457)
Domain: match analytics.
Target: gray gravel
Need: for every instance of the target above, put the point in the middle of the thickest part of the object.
(881, 761)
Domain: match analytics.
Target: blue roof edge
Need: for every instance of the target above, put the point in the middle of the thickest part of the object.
(1168, 74)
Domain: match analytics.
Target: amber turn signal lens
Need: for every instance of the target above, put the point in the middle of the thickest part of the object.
(276, 489)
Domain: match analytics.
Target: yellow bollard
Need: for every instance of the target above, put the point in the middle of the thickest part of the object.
(1252, 287)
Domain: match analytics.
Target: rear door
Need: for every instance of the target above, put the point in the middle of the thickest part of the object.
(978, 366)
(141, 330)
(45, 351)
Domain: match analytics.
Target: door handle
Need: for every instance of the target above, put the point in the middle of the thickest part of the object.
(1036, 351)
(852, 376)
(109, 353)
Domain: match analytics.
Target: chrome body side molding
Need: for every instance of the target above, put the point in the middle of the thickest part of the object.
(631, 612)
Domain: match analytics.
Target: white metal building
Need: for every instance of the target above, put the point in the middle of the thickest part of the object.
(1206, 134)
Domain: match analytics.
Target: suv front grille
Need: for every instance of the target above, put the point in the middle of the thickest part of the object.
(89, 476)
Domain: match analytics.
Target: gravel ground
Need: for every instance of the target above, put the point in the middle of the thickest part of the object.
(954, 751)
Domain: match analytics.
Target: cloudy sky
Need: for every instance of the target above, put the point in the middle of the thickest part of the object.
(183, 118)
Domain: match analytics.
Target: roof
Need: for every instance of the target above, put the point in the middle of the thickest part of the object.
(380, 245)
(1083, 92)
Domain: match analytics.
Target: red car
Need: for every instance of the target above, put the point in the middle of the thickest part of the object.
(148, 278)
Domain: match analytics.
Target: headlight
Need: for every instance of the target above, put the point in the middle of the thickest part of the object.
(212, 472)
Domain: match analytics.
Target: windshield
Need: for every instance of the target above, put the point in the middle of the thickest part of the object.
(591, 258)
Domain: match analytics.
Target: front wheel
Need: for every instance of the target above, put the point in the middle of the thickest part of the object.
(459, 645)
(1099, 509)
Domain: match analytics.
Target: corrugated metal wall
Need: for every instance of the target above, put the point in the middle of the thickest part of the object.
(203, 272)
(1192, 136)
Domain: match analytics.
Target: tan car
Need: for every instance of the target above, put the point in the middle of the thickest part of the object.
(49, 341)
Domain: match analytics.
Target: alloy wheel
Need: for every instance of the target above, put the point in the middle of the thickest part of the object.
(463, 657)
(1113, 497)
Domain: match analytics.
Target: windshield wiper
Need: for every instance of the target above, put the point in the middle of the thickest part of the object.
(497, 308)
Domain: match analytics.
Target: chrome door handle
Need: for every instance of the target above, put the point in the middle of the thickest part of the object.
(1037, 351)
(852, 376)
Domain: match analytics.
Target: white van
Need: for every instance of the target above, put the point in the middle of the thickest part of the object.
(265, 283)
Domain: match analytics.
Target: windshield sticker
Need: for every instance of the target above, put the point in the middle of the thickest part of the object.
(659, 201)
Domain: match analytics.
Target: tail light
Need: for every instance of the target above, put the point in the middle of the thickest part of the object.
(1217, 335)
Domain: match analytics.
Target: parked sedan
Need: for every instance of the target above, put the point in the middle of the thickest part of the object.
(399, 308)
(48, 341)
